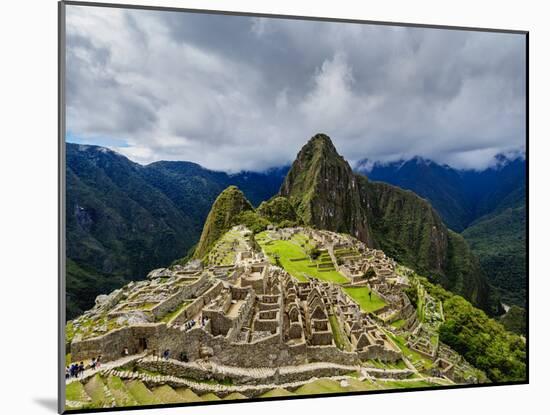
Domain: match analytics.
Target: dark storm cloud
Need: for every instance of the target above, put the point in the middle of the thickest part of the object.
(237, 93)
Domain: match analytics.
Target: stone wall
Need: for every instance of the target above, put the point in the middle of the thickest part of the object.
(242, 316)
(196, 306)
(188, 291)
(189, 370)
(331, 354)
(111, 345)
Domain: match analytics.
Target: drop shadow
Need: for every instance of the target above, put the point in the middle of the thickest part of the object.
(48, 403)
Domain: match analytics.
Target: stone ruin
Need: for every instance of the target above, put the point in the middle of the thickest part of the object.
(251, 313)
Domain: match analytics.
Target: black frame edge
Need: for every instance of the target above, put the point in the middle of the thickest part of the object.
(291, 17)
(61, 301)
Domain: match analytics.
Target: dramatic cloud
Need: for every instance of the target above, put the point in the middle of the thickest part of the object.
(235, 93)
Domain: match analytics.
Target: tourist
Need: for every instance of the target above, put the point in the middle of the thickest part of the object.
(125, 352)
(73, 370)
(98, 362)
(92, 365)
(81, 368)
(67, 372)
(370, 295)
(166, 354)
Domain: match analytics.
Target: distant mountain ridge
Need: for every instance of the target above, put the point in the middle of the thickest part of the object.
(488, 207)
(460, 196)
(124, 219)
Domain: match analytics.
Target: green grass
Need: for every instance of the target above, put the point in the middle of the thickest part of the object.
(171, 315)
(166, 394)
(398, 324)
(400, 364)
(331, 386)
(141, 394)
(95, 389)
(187, 395)
(234, 396)
(276, 392)
(120, 392)
(224, 247)
(75, 392)
(288, 250)
(340, 339)
(320, 386)
(361, 296)
(408, 353)
(210, 397)
(396, 384)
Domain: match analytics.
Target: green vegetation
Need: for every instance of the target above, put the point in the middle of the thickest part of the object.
(293, 258)
(515, 320)
(320, 386)
(228, 205)
(141, 394)
(413, 356)
(398, 324)
(483, 342)
(171, 315)
(340, 338)
(498, 239)
(210, 397)
(95, 388)
(119, 391)
(361, 296)
(403, 225)
(188, 395)
(279, 211)
(75, 392)
(409, 230)
(252, 221)
(166, 394)
(386, 365)
(234, 396)
(276, 392)
(396, 384)
(124, 219)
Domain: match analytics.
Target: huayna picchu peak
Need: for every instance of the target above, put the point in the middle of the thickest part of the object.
(327, 194)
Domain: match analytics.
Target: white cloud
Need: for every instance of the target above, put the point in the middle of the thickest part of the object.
(235, 93)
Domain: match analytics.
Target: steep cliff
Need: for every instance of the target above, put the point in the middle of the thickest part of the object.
(323, 189)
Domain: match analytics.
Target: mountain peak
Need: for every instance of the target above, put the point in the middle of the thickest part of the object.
(229, 203)
(320, 143)
(322, 188)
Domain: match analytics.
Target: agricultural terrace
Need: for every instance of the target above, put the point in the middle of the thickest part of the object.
(292, 255)
(224, 251)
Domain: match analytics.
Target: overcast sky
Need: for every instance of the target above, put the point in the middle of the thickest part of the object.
(242, 93)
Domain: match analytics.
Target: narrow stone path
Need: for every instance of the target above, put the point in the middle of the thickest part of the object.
(88, 373)
(265, 372)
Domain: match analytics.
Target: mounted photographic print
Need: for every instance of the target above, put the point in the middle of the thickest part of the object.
(260, 207)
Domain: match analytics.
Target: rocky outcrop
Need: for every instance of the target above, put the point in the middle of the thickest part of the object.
(323, 189)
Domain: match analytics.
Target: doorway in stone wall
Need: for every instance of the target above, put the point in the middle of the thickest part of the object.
(142, 344)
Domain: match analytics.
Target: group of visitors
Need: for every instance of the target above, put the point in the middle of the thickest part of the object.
(192, 323)
(75, 370)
